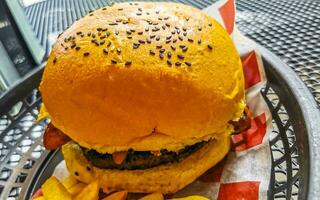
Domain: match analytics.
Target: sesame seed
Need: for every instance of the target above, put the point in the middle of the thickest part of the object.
(93, 35)
(163, 27)
(190, 40)
(95, 42)
(155, 23)
(166, 18)
(120, 9)
(86, 53)
(178, 31)
(113, 61)
(102, 37)
(88, 168)
(107, 34)
(73, 45)
(178, 63)
(188, 63)
(199, 29)
(140, 33)
(161, 56)
(147, 13)
(180, 38)
(105, 29)
(116, 32)
(180, 56)
(118, 20)
(77, 48)
(113, 24)
(148, 40)
(138, 14)
(79, 32)
(128, 32)
(146, 29)
(167, 24)
(89, 34)
(209, 24)
(102, 42)
(162, 50)
(157, 12)
(158, 38)
(140, 9)
(104, 8)
(155, 29)
(159, 46)
(141, 41)
(82, 35)
(136, 45)
(199, 41)
(187, 19)
(127, 63)
(185, 49)
(184, 33)
(73, 37)
(168, 41)
(209, 46)
(99, 34)
(177, 28)
(130, 4)
(76, 173)
(159, 18)
(169, 37)
(152, 52)
(174, 40)
(118, 50)
(136, 4)
(65, 40)
(54, 60)
(65, 48)
(184, 29)
(105, 51)
(169, 54)
(125, 22)
(91, 14)
(132, 30)
(152, 36)
(99, 29)
(129, 37)
(169, 62)
(173, 47)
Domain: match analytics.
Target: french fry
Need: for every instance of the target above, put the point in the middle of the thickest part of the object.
(75, 189)
(194, 197)
(90, 192)
(69, 182)
(54, 190)
(122, 195)
(153, 196)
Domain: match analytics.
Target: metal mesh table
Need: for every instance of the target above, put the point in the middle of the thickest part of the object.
(288, 28)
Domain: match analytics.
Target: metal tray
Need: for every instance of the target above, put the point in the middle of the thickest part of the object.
(25, 165)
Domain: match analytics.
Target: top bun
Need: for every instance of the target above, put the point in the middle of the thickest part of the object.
(145, 76)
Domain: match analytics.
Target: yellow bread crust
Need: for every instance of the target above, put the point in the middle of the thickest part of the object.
(98, 103)
(165, 179)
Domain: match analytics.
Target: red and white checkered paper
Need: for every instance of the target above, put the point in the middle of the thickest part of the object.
(245, 172)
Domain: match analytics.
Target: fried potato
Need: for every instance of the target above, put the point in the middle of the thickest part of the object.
(153, 196)
(39, 198)
(122, 195)
(54, 190)
(90, 192)
(69, 182)
(75, 189)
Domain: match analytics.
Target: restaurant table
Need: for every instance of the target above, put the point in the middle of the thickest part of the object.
(289, 29)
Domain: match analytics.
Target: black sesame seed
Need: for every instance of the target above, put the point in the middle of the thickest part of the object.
(140, 33)
(188, 63)
(190, 40)
(132, 30)
(162, 50)
(113, 61)
(107, 34)
(209, 24)
(169, 37)
(184, 29)
(136, 4)
(125, 22)
(174, 40)
(73, 45)
(178, 63)
(99, 34)
(199, 29)
(169, 62)
(169, 54)
(185, 49)
(136, 45)
(127, 63)
(102, 37)
(65, 40)
(93, 35)
(130, 4)
(113, 24)
(82, 35)
(159, 18)
(65, 48)
(129, 37)
(118, 20)
(128, 32)
(138, 14)
(180, 38)
(152, 36)
(173, 47)
(54, 60)
(73, 37)
(102, 42)
(184, 33)
(141, 41)
(76, 173)
(178, 31)
(182, 46)
(148, 40)
(104, 8)
(166, 18)
(161, 56)
(180, 56)
(146, 29)
(116, 32)
(140, 9)
(86, 53)
(163, 27)
(91, 14)
(77, 48)
(187, 19)
(88, 168)
(155, 23)
(79, 32)
(199, 41)
(209, 46)
(177, 28)
(147, 13)
(105, 51)
(155, 29)
(99, 29)
(167, 24)
(157, 12)
(118, 50)
(152, 52)
(120, 9)
(89, 34)
(168, 41)
(158, 38)
(159, 46)
(105, 29)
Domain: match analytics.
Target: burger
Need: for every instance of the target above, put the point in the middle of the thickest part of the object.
(143, 96)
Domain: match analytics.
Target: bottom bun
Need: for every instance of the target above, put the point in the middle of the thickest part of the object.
(167, 178)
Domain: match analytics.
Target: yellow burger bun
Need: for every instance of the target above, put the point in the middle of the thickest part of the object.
(144, 76)
(165, 179)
